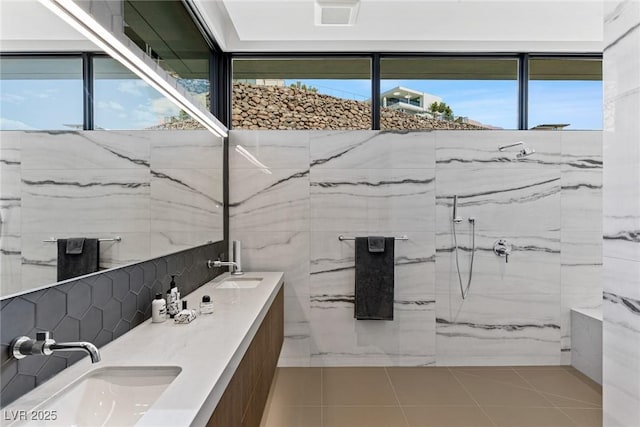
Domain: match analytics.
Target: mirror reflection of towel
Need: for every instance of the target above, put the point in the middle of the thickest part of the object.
(75, 245)
(78, 264)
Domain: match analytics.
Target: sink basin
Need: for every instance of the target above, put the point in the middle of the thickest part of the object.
(111, 396)
(240, 283)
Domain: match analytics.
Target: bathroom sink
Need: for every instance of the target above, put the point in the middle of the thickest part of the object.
(111, 396)
(240, 283)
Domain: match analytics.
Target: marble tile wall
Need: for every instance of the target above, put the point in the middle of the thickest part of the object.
(621, 227)
(321, 184)
(511, 315)
(160, 191)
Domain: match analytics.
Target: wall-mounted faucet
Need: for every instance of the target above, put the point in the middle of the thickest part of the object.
(236, 265)
(22, 347)
(502, 248)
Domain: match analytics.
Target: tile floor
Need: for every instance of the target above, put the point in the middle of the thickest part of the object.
(554, 396)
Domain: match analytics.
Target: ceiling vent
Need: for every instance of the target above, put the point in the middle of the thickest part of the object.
(336, 13)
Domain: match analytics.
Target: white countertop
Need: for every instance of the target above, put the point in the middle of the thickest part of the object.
(208, 350)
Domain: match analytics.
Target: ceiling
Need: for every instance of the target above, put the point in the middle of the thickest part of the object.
(380, 25)
(409, 25)
(28, 26)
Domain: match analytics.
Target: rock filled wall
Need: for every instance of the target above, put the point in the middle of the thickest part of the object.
(269, 107)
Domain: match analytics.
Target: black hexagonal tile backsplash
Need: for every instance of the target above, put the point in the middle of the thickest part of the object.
(98, 308)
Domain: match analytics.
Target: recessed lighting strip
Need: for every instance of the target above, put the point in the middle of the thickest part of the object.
(84, 23)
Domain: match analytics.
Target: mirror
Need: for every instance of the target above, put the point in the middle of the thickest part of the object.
(146, 192)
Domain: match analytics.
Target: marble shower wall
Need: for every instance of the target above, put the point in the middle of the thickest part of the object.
(160, 191)
(320, 184)
(621, 251)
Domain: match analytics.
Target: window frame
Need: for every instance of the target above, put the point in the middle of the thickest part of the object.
(221, 78)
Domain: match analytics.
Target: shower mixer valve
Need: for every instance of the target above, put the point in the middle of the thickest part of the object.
(502, 248)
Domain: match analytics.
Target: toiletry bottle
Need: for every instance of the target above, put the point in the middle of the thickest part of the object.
(186, 315)
(206, 306)
(158, 309)
(173, 300)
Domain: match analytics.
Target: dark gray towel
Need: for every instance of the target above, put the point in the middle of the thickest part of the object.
(374, 281)
(74, 265)
(376, 243)
(75, 245)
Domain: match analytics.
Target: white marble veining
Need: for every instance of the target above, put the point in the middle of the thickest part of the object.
(360, 183)
(364, 199)
(85, 200)
(497, 329)
(158, 190)
(479, 149)
(193, 149)
(162, 242)
(407, 340)
(533, 266)
(10, 264)
(186, 199)
(581, 181)
(273, 148)
(372, 150)
(276, 201)
(621, 227)
(39, 259)
(505, 199)
(207, 350)
(85, 150)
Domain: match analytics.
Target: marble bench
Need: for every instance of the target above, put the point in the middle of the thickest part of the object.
(586, 342)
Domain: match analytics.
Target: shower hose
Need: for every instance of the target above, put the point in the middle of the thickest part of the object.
(465, 290)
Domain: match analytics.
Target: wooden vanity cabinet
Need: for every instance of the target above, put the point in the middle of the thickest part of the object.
(244, 399)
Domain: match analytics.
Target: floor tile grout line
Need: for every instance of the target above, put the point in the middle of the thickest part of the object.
(393, 388)
(544, 393)
(498, 381)
(553, 405)
(472, 398)
(321, 396)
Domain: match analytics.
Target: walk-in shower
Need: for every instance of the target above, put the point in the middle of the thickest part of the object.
(457, 220)
(525, 151)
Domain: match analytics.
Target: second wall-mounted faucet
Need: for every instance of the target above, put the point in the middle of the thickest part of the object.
(236, 264)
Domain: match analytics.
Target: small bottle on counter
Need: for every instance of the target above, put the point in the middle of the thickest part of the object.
(158, 309)
(186, 315)
(206, 306)
(173, 298)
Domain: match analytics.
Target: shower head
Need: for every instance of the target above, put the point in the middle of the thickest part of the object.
(525, 151)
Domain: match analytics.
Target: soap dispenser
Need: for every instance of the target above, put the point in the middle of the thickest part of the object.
(158, 309)
(173, 298)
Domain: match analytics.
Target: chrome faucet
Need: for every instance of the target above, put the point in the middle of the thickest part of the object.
(44, 344)
(217, 264)
(236, 265)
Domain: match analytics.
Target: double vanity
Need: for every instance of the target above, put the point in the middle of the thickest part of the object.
(214, 371)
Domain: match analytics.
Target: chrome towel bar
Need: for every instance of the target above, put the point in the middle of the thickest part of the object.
(110, 239)
(342, 238)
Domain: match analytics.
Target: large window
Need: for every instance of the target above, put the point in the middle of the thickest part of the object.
(41, 93)
(565, 93)
(448, 93)
(123, 101)
(317, 93)
(164, 30)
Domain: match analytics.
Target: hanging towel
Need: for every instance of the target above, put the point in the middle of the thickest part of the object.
(76, 260)
(374, 279)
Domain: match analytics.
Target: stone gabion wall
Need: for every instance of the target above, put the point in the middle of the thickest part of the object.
(271, 107)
